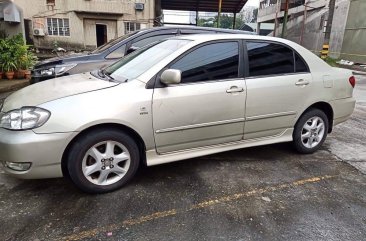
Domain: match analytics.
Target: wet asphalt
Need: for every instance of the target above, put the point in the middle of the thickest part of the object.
(261, 193)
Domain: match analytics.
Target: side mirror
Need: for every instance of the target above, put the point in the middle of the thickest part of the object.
(171, 76)
(130, 50)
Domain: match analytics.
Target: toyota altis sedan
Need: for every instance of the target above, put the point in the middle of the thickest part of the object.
(179, 98)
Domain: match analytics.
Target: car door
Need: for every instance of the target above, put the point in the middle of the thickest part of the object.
(208, 106)
(278, 84)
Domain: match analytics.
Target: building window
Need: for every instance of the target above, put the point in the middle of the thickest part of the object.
(50, 2)
(58, 26)
(131, 27)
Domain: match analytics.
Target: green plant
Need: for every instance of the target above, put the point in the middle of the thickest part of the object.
(28, 61)
(332, 62)
(8, 63)
(20, 52)
(15, 54)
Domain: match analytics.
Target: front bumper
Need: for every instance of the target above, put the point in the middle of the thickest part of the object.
(43, 151)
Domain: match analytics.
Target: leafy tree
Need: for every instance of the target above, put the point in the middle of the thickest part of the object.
(226, 21)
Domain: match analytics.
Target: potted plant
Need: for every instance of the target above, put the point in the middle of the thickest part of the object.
(2, 45)
(19, 51)
(28, 63)
(9, 65)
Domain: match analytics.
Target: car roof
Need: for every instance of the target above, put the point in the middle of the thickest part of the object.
(208, 37)
(224, 30)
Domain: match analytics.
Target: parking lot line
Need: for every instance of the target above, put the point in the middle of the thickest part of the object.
(207, 203)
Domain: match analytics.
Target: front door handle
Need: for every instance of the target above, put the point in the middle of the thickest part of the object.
(234, 89)
(302, 82)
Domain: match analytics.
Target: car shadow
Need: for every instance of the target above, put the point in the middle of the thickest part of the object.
(149, 175)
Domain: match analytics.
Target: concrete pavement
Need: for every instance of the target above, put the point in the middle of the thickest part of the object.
(261, 193)
(348, 140)
(4, 95)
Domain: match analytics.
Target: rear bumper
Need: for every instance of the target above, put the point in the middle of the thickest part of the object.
(43, 151)
(342, 109)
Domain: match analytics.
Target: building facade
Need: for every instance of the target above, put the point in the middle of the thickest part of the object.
(307, 20)
(82, 24)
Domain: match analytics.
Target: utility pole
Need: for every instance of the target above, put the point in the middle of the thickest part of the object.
(328, 27)
(234, 21)
(328, 30)
(285, 20)
(303, 23)
(276, 19)
(219, 13)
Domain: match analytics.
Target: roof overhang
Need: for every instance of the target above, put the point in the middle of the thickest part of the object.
(98, 13)
(227, 6)
(10, 12)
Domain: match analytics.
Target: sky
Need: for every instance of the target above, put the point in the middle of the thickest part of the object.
(254, 3)
(183, 17)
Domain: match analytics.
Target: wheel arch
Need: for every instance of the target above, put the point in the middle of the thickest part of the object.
(132, 133)
(326, 108)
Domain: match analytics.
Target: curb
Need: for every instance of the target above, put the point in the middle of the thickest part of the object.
(14, 87)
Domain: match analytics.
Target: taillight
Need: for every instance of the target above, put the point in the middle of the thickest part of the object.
(352, 81)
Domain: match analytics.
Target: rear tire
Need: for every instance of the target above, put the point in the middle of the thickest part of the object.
(103, 161)
(310, 131)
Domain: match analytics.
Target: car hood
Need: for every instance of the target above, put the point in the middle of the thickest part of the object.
(72, 58)
(53, 89)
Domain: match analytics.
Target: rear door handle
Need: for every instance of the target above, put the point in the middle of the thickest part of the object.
(234, 89)
(302, 82)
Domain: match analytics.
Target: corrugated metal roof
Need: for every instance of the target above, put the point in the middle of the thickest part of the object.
(229, 6)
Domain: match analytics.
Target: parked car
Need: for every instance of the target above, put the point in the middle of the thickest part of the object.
(114, 50)
(180, 98)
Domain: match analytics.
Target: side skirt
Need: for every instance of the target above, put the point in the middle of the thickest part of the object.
(152, 158)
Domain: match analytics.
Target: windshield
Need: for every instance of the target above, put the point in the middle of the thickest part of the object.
(136, 63)
(111, 43)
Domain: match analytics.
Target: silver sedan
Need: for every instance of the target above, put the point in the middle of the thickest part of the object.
(176, 99)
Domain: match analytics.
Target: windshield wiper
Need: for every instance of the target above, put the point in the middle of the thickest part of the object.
(104, 74)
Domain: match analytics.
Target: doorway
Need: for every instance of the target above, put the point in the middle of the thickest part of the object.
(101, 33)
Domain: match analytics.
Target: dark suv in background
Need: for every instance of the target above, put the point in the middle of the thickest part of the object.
(113, 50)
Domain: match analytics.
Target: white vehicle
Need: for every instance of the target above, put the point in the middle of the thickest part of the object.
(179, 98)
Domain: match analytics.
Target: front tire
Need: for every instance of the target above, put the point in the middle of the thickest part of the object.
(103, 161)
(310, 131)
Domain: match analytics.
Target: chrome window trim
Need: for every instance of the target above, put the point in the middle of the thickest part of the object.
(273, 115)
(194, 126)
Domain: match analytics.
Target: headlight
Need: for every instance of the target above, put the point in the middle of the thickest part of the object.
(56, 70)
(24, 119)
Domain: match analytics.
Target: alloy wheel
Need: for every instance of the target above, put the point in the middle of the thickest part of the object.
(106, 163)
(313, 132)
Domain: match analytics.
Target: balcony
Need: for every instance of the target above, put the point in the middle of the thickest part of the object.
(100, 6)
(268, 8)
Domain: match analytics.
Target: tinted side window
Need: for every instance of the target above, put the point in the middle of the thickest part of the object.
(269, 59)
(118, 53)
(211, 62)
(143, 42)
(300, 64)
